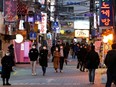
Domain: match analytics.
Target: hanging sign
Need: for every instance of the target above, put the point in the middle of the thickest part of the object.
(43, 24)
(106, 13)
(10, 10)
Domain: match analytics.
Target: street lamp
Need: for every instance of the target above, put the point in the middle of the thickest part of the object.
(19, 38)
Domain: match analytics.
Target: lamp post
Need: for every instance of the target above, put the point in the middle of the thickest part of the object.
(91, 19)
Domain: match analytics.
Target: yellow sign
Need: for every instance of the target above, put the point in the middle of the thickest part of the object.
(81, 33)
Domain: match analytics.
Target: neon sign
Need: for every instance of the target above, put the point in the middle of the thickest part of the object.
(106, 16)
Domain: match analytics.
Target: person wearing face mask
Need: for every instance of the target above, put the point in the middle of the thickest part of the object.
(43, 60)
(56, 59)
(61, 58)
(7, 64)
(33, 55)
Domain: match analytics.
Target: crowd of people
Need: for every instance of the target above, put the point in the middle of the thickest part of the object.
(87, 58)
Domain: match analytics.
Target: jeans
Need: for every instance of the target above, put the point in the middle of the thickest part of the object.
(91, 75)
(61, 63)
(109, 79)
(44, 69)
(33, 65)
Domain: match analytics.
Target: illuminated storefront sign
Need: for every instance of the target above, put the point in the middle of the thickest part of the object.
(10, 10)
(42, 1)
(43, 24)
(106, 16)
(81, 24)
(75, 2)
(82, 33)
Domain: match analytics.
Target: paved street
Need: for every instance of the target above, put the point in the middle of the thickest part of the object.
(71, 77)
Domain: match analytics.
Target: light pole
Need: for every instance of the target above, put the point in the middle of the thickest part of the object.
(91, 18)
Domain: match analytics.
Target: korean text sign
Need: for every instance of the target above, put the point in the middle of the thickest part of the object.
(106, 13)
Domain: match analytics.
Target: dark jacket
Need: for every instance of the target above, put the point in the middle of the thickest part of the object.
(11, 50)
(92, 60)
(33, 54)
(110, 61)
(66, 51)
(7, 64)
(43, 60)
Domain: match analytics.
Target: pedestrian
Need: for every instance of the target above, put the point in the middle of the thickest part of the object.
(75, 48)
(110, 62)
(11, 50)
(62, 58)
(7, 64)
(43, 60)
(66, 52)
(52, 51)
(83, 57)
(33, 55)
(92, 62)
(56, 59)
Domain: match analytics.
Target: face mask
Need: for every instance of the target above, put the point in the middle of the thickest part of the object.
(7, 54)
(56, 49)
(33, 46)
(44, 47)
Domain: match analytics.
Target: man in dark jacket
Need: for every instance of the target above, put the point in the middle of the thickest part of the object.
(7, 63)
(110, 62)
(92, 62)
(43, 60)
(11, 50)
(33, 55)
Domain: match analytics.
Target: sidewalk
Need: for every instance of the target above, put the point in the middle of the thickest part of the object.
(71, 77)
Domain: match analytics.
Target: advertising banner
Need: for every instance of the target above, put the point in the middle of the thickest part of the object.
(10, 7)
(106, 13)
(43, 24)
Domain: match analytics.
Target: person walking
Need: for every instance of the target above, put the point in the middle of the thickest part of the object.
(43, 60)
(92, 62)
(7, 64)
(52, 51)
(83, 57)
(33, 55)
(66, 52)
(56, 59)
(11, 50)
(62, 58)
(110, 62)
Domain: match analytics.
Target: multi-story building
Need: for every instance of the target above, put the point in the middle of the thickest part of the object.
(72, 15)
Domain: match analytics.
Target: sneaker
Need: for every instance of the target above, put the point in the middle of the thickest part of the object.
(56, 71)
(91, 82)
(61, 71)
(32, 74)
(8, 84)
(43, 74)
(4, 84)
(35, 74)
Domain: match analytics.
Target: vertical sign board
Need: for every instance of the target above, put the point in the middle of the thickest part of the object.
(1, 5)
(10, 10)
(43, 25)
(106, 13)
